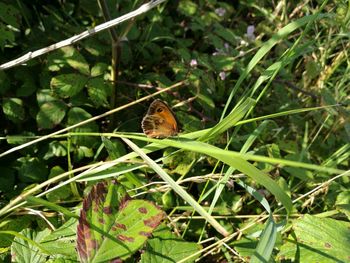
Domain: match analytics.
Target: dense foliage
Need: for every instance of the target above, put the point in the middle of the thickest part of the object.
(261, 91)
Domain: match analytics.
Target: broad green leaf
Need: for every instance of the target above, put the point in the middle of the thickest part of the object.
(62, 240)
(114, 148)
(10, 15)
(99, 69)
(167, 247)
(246, 247)
(112, 226)
(27, 85)
(56, 149)
(68, 85)
(28, 250)
(63, 192)
(45, 95)
(32, 170)
(7, 179)
(13, 109)
(68, 57)
(317, 240)
(6, 36)
(51, 114)
(187, 7)
(77, 115)
(227, 34)
(300, 173)
(5, 83)
(98, 91)
(181, 162)
(15, 225)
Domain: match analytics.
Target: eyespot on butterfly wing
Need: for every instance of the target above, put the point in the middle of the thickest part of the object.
(160, 121)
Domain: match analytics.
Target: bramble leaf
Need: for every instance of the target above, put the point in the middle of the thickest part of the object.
(112, 226)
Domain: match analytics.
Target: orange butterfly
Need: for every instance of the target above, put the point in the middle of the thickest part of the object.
(160, 121)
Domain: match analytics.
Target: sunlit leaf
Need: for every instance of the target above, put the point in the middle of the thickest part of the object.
(68, 85)
(112, 226)
(13, 109)
(167, 247)
(68, 57)
(317, 240)
(51, 114)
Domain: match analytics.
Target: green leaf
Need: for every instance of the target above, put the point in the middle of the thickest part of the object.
(32, 170)
(268, 45)
(28, 250)
(223, 63)
(77, 115)
(45, 95)
(6, 36)
(114, 148)
(98, 91)
(99, 69)
(317, 240)
(236, 160)
(56, 149)
(226, 33)
(181, 162)
(187, 7)
(167, 247)
(15, 225)
(179, 190)
(10, 15)
(62, 240)
(51, 114)
(300, 173)
(5, 84)
(68, 85)
(68, 57)
(13, 109)
(267, 242)
(63, 192)
(7, 179)
(112, 226)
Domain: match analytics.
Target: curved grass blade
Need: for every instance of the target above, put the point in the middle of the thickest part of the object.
(268, 45)
(177, 188)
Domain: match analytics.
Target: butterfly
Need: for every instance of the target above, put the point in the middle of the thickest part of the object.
(160, 121)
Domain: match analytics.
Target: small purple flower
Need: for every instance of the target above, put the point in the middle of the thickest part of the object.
(250, 32)
(220, 11)
(222, 75)
(193, 63)
(227, 46)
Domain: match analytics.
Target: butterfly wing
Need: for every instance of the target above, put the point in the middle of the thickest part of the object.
(160, 121)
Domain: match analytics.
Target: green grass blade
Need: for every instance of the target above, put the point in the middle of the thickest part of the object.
(229, 121)
(267, 242)
(57, 208)
(180, 191)
(235, 160)
(268, 45)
